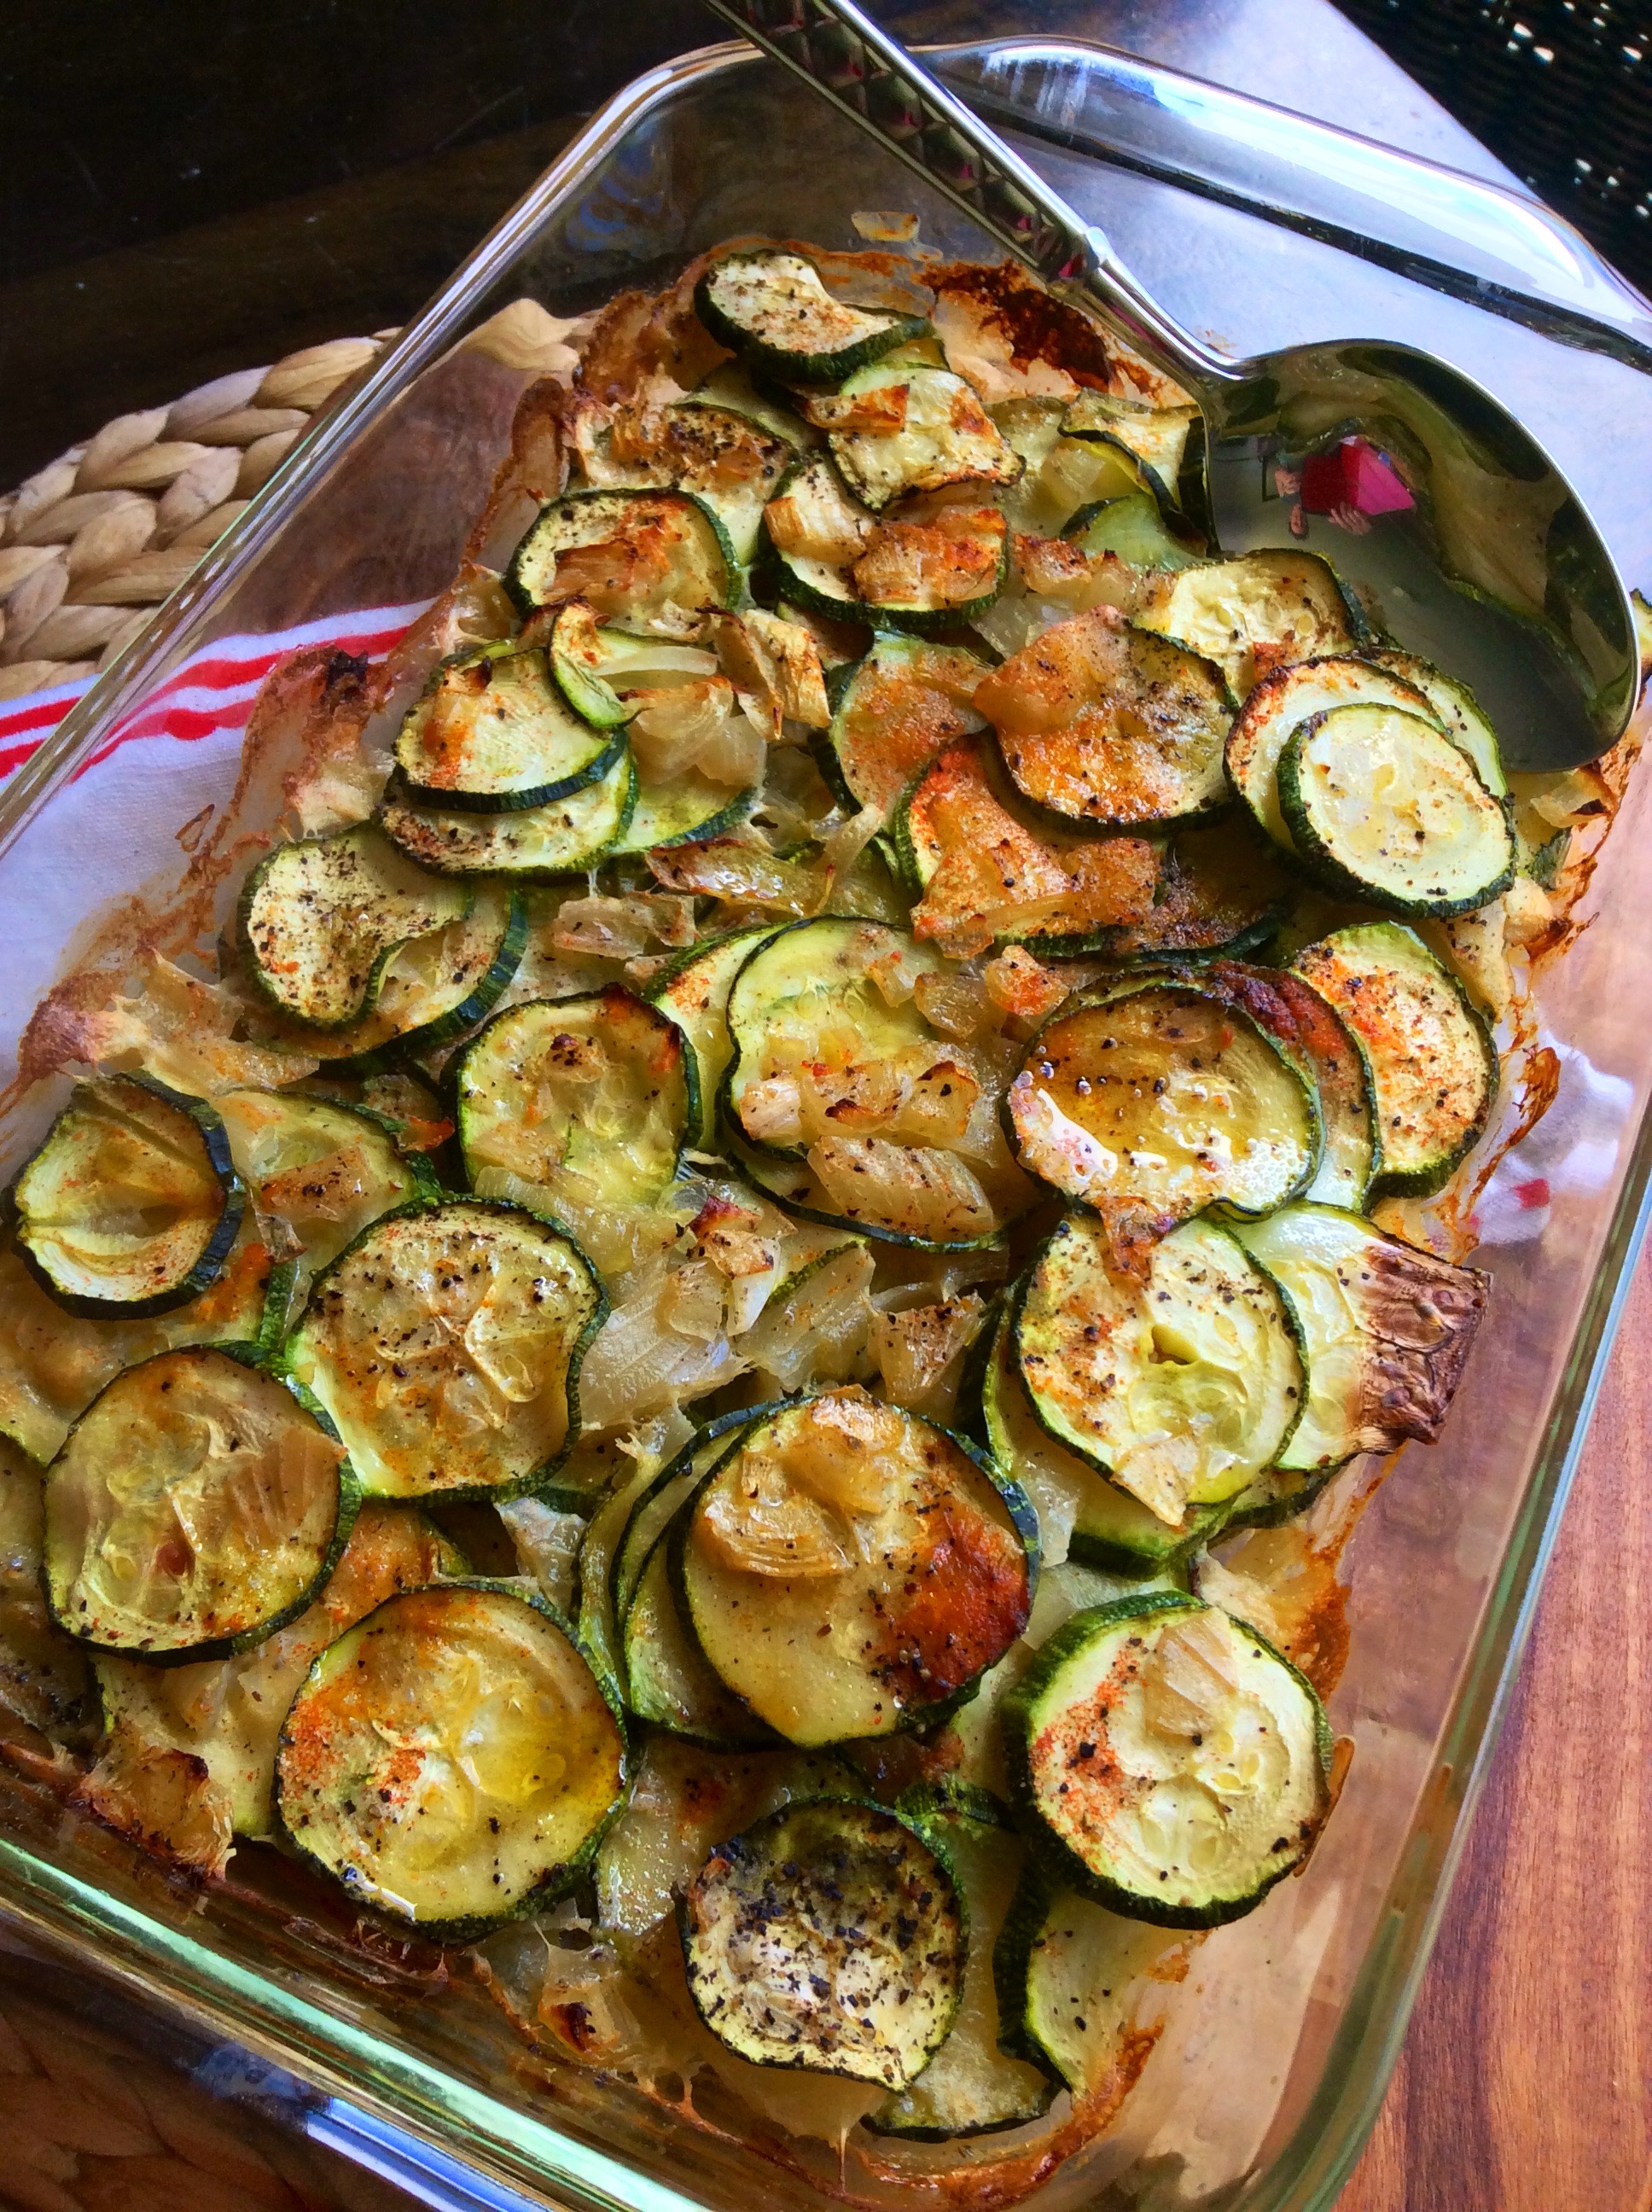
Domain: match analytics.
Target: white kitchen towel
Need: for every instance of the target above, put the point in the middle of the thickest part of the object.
(115, 822)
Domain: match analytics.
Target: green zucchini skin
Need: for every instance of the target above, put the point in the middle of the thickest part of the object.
(538, 845)
(70, 1619)
(601, 750)
(209, 1263)
(1022, 1725)
(801, 1858)
(1320, 851)
(559, 1879)
(791, 365)
(539, 1477)
(1134, 526)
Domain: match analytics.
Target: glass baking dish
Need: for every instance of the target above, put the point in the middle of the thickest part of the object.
(1280, 2044)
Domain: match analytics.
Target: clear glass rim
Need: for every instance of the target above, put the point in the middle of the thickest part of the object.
(1310, 2169)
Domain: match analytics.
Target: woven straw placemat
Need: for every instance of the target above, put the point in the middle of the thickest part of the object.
(92, 544)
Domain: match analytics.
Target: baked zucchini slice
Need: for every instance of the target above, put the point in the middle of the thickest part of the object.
(1387, 810)
(819, 1050)
(850, 1569)
(1069, 1973)
(196, 1506)
(1455, 707)
(1132, 525)
(1385, 1331)
(132, 1205)
(917, 1196)
(1109, 724)
(1256, 611)
(537, 845)
(988, 876)
(1293, 1012)
(452, 1760)
(772, 308)
(927, 573)
(1168, 1094)
(1181, 1387)
(1158, 437)
(53, 1363)
(1288, 696)
(670, 1683)
(655, 561)
(582, 1102)
(692, 990)
(1174, 1766)
(322, 918)
(895, 429)
(1108, 1529)
(229, 1712)
(446, 1344)
(1222, 889)
(830, 1937)
(972, 2085)
(720, 454)
(1429, 1056)
(897, 710)
(322, 1170)
(493, 732)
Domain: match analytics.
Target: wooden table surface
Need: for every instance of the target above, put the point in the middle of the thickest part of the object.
(1526, 2082)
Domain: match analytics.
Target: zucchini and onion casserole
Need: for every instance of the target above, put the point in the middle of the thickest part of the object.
(832, 1090)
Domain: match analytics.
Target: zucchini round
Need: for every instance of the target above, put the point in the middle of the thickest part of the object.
(1106, 724)
(1169, 1095)
(1388, 810)
(1222, 889)
(851, 1568)
(692, 990)
(320, 920)
(681, 812)
(228, 1713)
(933, 574)
(1429, 1056)
(580, 662)
(987, 877)
(492, 734)
(899, 707)
(1181, 1387)
(972, 2085)
(1174, 1766)
(452, 1760)
(1256, 611)
(132, 1205)
(912, 428)
(196, 1506)
(1385, 1331)
(772, 308)
(1278, 702)
(1107, 1527)
(589, 1101)
(655, 561)
(435, 988)
(720, 454)
(669, 1681)
(830, 1937)
(446, 1344)
(814, 531)
(537, 845)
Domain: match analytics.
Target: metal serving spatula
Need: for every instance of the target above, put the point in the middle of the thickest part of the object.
(1483, 557)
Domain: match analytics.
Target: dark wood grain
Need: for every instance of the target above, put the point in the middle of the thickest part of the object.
(1526, 2082)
